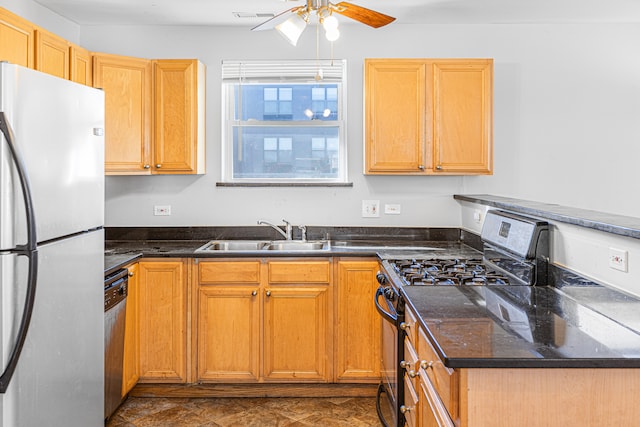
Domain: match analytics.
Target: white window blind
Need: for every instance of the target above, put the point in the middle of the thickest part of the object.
(283, 71)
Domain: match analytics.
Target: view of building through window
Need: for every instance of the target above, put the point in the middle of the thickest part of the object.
(287, 131)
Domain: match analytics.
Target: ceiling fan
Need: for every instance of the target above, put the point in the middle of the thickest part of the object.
(291, 23)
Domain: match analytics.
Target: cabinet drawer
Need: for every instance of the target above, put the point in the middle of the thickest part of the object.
(410, 406)
(444, 380)
(299, 272)
(409, 326)
(411, 363)
(229, 272)
(432, 411)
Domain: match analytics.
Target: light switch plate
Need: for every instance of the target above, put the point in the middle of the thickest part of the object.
(370, 208)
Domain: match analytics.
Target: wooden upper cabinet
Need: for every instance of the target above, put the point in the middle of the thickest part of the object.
(463, 116)
(428, 116)
(16, 39)
(179, 137)
(395, 112)
(81, 69)
(52, 54)
(126, 83)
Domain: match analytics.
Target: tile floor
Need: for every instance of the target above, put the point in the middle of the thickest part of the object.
(245, 412)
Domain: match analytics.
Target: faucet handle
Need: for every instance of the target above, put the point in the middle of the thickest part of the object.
(303, 229)
(288, 224)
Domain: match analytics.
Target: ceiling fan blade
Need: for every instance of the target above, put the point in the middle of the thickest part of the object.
(361, 14)
(271, 23)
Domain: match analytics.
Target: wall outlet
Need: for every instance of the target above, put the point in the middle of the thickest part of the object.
(370, 208)
(162, 210)
(477, 216)
(618, 259)
(392, 209)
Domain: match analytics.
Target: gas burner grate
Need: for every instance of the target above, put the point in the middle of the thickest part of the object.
(446, 272)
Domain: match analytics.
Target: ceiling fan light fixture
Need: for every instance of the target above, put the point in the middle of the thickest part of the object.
(330, 23)
(292, 28)
(332, 34)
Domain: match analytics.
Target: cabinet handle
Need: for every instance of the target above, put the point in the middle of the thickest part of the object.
(439, 167)
(146, 167)
(268, 293)
(131, 274)
(413, 374)
(426, 365)
(421, 167)
(158, 166)
(254, 293)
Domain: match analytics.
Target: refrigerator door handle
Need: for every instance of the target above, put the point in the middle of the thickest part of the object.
(21, 336)
(32, 241)
(29, 250)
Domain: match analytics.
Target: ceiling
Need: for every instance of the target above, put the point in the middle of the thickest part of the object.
(221, 12)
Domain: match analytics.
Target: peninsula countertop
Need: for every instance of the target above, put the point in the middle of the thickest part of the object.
(575, 324)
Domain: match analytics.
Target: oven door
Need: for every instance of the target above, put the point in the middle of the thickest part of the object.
(389, 394)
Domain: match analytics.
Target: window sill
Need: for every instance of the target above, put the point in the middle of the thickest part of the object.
(284, 184)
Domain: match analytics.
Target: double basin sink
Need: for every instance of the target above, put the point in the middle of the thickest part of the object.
(264, 245)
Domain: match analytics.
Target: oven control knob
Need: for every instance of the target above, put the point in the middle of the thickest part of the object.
(404, 326)
(389, 294)
(381, 279)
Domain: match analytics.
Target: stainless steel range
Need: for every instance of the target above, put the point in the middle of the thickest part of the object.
(515, 253)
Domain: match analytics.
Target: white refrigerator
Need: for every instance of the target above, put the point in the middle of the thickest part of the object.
(51, 251)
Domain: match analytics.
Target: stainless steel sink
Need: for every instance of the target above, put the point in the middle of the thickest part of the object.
(263, 245)
(234, 245)
(293, 245)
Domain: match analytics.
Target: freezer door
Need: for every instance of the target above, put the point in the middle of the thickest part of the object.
(59, 379)
(58, 127)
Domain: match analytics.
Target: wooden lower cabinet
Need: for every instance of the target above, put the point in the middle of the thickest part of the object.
(261, 321)
(228, 322)
(131, 367)
(358, 324)
(163, 328)
(296, 333)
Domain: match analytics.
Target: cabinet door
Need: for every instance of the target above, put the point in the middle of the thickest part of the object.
(16, 39)
(163, 321)
(296, 338)
(81, 66)
(52, 54)
(463, 116)
(358, 323)
(396, 124)
(131, 369)
(179, 124)
(228, 333)
(127, 86)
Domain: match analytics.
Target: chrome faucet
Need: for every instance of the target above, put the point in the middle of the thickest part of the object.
(303, 230)
(286, 235)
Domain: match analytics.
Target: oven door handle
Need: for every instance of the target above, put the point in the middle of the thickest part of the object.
(385, 314)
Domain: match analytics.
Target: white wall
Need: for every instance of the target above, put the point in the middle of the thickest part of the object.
(43, 17)
(584, 251)
(567, 102)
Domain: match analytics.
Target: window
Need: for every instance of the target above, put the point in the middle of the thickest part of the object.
(284, 122)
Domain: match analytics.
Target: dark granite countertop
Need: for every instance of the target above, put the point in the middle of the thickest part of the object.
(577, 324)
(118, 253)
(602, 221)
